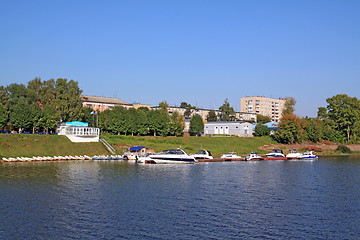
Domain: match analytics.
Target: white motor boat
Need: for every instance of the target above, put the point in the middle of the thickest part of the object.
(308, 156)
(253, 157)
(168, 156)
(293, 154)
(276, 153)
(230, 155)
(202, 154)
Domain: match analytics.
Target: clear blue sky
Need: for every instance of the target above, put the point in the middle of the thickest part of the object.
(197, 51)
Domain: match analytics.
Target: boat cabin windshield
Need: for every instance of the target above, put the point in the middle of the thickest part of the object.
(174, 151)
(204, 152)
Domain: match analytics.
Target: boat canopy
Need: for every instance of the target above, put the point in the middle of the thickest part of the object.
(77, 124)
(136, 148)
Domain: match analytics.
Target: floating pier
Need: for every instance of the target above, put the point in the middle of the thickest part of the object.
(221, 160)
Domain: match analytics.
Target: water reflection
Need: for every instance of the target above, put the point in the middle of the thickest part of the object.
(232, 200)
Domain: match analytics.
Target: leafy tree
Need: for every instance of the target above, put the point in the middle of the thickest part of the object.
(164, 105)
(196, 124)
(313, 129)
(45, 91)
(227, 112)
(261, 119)
(23, 115)
(289, 106)
(177, 124)
(19, 93)
(46, 119)
(3, 96)
(68, 101)
(343, 113)
(212, 117)
(158, 121)
(184, 105)
(4, 116)
(291, 129)
(142, 121)
(261, 130)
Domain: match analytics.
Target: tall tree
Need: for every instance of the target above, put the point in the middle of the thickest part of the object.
(158, 122)
(291, 129)
(4, 116)
(227, 112)
(177, 124)
(164, 105)
(196, 124)
(68, 101)
(212, 117)
(289, 107)
(343, 113)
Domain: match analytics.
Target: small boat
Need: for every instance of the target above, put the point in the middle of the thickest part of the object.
(230, 155)
(308, 156)
(253, 156)
(293, 154)
(168, 156)
(276, 153)
(202, 154)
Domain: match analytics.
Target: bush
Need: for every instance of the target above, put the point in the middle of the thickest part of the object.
(261, 130)
(343, 149)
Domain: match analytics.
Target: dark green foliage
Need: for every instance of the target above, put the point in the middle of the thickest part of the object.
(342, 114)
(261, 119)
(227, 112)
(212, 117)
(313, 129)
(196, 124)
(343, 149)
(4, 116)
(261, 130)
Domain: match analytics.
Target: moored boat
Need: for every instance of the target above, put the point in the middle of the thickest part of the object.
(168, 156)
(231, 155)
(293, 154)
(253, 156)
(308, 156)
(276, 153)
(202, 154)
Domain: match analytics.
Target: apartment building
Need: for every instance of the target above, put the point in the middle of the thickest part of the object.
(103, 103)
(262, 105)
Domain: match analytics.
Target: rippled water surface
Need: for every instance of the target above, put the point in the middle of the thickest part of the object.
(232, 200)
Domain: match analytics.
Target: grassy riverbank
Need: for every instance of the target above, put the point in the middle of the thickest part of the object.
(217, 145)
(28, 145)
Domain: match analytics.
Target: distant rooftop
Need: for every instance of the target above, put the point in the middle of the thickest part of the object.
(108, 100)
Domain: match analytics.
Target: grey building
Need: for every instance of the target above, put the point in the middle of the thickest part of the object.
(242, 129)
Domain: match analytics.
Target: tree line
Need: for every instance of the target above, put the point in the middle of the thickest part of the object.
(40, 105)
(338, 122)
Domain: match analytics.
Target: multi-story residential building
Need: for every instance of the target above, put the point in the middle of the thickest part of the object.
(262, 105)
(103, 103)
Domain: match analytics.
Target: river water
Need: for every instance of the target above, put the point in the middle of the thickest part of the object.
(231, 200)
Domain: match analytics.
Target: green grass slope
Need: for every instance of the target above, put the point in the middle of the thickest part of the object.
(217, 145)
(28, 145)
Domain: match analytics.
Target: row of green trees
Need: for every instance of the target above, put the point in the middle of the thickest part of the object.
(39, 105)
(338, 122)
(142, 121)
